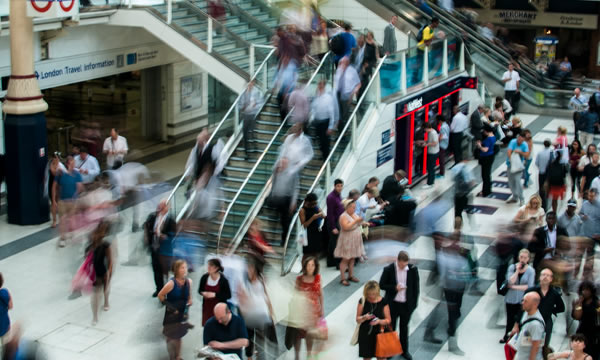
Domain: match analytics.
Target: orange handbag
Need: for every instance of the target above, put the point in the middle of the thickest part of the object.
(388, 344)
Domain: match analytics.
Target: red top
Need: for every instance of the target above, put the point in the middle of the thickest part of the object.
(208, 305)
(312, 291)
(256, 243)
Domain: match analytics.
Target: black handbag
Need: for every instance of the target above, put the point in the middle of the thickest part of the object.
(503, 289)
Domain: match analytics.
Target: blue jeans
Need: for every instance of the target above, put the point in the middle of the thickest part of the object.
(526, 174)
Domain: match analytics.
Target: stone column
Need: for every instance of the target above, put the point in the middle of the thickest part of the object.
(25, 127)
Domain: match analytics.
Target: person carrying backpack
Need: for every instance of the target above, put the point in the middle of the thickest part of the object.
(555, 179)
(424, 38)
(343, 43)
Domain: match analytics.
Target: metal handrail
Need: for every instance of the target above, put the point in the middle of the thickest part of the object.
(245, 223)
(328, 160)
(247, 179)
(223, 120)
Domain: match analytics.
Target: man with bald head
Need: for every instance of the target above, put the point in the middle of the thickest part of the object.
(226, 332)
(551, 302)
(531, 329)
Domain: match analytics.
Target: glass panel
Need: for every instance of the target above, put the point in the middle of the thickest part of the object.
(414, 66)
(436, 52)
(453, 54)
(390, 74)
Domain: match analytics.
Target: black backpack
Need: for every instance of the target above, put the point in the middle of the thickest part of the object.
(337, 45)
(420, 33)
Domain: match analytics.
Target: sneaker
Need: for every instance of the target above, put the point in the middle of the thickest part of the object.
(62, 243)
(425, 187)
(512, 200)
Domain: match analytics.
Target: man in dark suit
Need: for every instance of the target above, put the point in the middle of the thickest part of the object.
(400, 281)
(545, 239)
(392, 184)
(476, 124)
(158, 228)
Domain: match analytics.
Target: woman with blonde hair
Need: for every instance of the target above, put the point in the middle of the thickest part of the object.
(532, 212)
(349, 244)
(372, 313)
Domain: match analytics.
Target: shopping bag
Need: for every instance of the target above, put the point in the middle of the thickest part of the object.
(388, 344)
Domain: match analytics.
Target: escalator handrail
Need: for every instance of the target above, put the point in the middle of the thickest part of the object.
(247, 179)
(328, 160)
(223, 120)
(237, 238)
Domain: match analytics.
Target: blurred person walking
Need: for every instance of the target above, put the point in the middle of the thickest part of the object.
(586, 309)
(87, 165)
(349, 244)
(511, 80)
(6, 304)
(347, 44)
(544, 241)
(250, 104)
(325, 117)
(433, 149)
(103, 267)
(551, 302)
(298, 100)
(570, 220)
(295, 152)
(444, 142)
(55, 168)
(486, 159)
(177, 297)
(257, 241)
(555, 184)
(390, 44)
(460, 123)
(519, 278)
(372, 313)
(346, 86)
(400, 281)
(542, 160)
(308, 284)
(115, 148)
(517, 152)
(320, 41)
(214, 288)
(335, 208)
(590, 172)
(311, 218)
(257, 311)
(463, 183)
(576, 153)
(66, 189)
(159, 229)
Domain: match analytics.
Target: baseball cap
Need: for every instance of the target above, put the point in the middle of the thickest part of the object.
(572, 202)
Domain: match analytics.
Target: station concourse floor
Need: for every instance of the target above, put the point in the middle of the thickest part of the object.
(38, 275)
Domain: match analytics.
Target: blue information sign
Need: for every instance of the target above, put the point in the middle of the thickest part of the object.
(385, 136)
(385, 154)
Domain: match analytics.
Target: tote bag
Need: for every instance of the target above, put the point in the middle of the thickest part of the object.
(516, 164)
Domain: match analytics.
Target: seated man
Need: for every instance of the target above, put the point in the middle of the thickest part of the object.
(226, 332)
(401, 210)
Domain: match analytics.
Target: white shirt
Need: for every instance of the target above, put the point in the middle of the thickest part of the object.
(323, 107)
(401, 275)
(365, 204)
(596, 184)
(251, 101)
(514, 77)
(350, 81)
(119, 145)
(578, 103)
(433, 144)
(460, 123)
(90, 164)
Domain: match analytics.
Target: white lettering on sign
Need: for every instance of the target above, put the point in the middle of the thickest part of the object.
(415, 104)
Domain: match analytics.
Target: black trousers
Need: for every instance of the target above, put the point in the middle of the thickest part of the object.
(513, 312)
(453, 302)
(282, 205)
(431, 159)
(402, 312)
(331, 260)
(248, 126)
(159, 280)
(344, 106)
(456, 140)
(321, 127)
(486, 174)
(510, 96)
(460, 204)
(541, 191)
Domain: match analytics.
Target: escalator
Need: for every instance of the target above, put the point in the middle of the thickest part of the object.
(488, 60)
(243, 178)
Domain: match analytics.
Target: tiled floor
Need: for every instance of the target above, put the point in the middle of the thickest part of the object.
(39, 281)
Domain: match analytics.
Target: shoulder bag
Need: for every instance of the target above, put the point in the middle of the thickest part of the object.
(354, 339)
(516, 164)
(388, 343)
